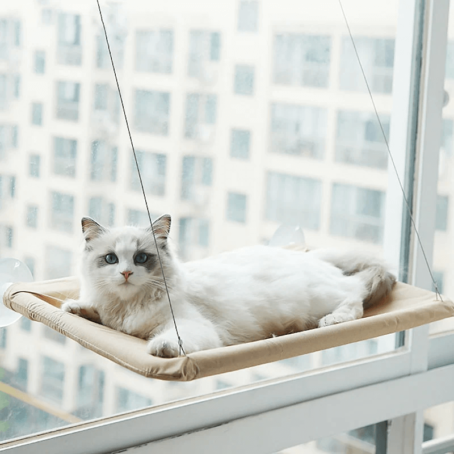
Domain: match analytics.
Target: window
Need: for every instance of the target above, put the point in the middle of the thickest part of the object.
(194, 233)
(196, 177)
(441, 219)
(359, 139)
(62, 212)
(236, 207)
(357, 213)
(8, 138)
(240, 142)
(65, 155)
(53, 335)
(204, 49)
(69, 50)
(102, 211)
(244, 80)
(153, 170)
(17, 86)
(439, 278)
(25, 324)
(10, 37)
(298, 130)
(152, 110)
(68, 101)
(106, 103)
(3, 338)
(154, 51)
(248, 11)
(37, 113)
(293, 200)
(34, 164)
(7, 189)
(40, 62)
(200, 116)
(103, 165)
(7, 236)
(302, 60)
(30, 262)
(21, 377)
(46, 16)
(130, 400)
(377, 57)
(58, 262)
(32, 216)
(102, 52)
(139, 218)
(52, 379)
(90, 393)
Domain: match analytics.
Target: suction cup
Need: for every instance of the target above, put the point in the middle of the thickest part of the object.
(286, 235)
(11, 271)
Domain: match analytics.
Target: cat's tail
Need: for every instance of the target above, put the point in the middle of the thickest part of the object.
(375, 273)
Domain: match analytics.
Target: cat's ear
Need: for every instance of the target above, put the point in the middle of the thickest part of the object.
(91, 229)
(161, 226)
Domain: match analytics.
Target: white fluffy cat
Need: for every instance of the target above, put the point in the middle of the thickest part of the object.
(239, 296)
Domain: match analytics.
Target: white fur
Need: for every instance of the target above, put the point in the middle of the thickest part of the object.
(239, 296)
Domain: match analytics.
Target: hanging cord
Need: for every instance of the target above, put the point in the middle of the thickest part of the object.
(437, 293)
(180, 341)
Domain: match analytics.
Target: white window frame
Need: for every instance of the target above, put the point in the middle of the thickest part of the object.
(279, 413)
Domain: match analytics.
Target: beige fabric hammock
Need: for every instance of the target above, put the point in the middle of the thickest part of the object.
(407, 307)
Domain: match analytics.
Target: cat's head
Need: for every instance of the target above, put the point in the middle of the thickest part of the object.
(124, 261)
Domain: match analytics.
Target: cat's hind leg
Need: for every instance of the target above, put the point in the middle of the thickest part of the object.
(195, 335)
(349, 309)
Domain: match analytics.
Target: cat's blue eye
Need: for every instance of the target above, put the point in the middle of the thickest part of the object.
(111, 259)
(141, 258)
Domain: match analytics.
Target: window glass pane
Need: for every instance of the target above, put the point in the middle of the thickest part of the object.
(245, 116)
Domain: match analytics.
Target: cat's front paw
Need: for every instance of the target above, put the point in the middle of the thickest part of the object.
(84, 311)
(165, 348)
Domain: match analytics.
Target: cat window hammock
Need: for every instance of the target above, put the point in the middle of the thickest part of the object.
(407, 307)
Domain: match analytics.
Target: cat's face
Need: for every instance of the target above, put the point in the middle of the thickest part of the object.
(124, 261)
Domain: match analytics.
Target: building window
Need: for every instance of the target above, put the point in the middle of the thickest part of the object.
(69, 49)
(68, 94)
(52, 379)
(90, 393)
(359, 139)
(32, 216)
(152, 111)
(377, 57)
(200, 116)
(293, 200)
(102, 52)
(21, 375)
(129, 400)
(58, 262)
(7, 236)
(40, 62)
(53, 335)
(439, 278)
(139, 218)
(62, 212)
(248, 12)
(302, 60)
(10, 37)
(8, 138)
(3, 338)
(441, 219)
(34, 164)
(7, 188)
(102, 211)
(46, 16)
(25, 324)
(357, 213)
(65, 156)
(106, 103)
(194, 233)
(153, 170)
(196, 176)
(298, 130)
(30, 262)
(236, 207)
(103, 162)
(154, 51)
(244, 80)
(204, 49)
(240, 142)
(37, 114)
(17, 86)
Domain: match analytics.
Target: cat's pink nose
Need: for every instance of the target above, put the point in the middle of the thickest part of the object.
(126, 274)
